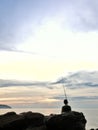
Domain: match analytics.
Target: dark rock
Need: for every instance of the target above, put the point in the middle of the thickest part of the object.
(43, 127)
(8, 114)
(22, 121)
(37, 121)
(94, 129)
(67, 121)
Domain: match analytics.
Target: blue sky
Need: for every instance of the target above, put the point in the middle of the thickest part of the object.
(43, 40)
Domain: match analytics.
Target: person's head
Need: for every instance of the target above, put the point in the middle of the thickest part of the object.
(65, 101)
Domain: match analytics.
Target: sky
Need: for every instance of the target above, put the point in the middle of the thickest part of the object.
(42, 41)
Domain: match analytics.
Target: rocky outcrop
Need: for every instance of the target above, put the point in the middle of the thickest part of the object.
(22, 121)
(37, 121)
(67, 121)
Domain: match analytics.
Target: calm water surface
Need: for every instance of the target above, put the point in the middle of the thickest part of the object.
(90, 114)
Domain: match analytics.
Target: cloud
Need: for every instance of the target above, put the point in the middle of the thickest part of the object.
(81, 89)
(80, 79)
(82, 15)
(19, 20)
(13, 83)
(77, 98)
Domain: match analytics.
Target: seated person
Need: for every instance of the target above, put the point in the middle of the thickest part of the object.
(66, 107)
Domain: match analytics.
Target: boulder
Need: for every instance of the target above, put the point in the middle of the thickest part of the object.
(67, 121)
(22, 121)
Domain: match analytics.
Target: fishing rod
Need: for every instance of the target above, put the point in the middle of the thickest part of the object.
(64, 91)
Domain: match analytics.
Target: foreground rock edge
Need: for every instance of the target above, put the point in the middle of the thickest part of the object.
(37, 121)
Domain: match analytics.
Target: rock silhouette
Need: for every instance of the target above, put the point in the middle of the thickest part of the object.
(37, 121)
(67, 121)
(21, 122)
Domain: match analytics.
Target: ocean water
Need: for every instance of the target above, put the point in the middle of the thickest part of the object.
(90, 114)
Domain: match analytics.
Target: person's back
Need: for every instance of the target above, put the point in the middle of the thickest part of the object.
(66, 107)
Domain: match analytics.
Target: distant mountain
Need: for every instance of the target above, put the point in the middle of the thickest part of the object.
(4, 106)
(79, 79)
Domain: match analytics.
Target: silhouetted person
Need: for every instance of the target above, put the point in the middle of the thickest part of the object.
(66, 107)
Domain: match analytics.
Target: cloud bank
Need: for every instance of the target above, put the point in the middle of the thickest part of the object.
(20, 20)
(81, 87)
(82, 15)
(80, 79)
(16, 83)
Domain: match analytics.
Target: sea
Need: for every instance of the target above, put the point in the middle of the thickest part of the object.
(91, 115)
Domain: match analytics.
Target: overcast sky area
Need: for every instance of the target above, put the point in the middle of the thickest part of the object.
(46, 41)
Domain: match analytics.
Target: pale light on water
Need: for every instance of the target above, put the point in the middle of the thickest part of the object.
(91, 117)
(90, 114)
